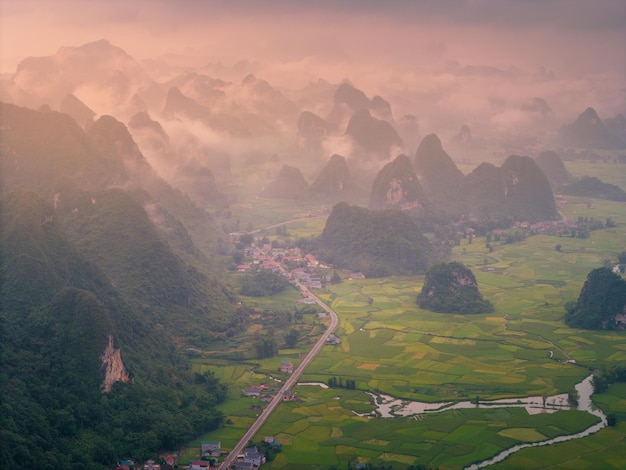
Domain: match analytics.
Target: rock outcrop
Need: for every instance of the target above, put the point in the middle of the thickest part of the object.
(588, 131)
(397, 186)
(452, 288)
(554, 169)
(438, 175)
(289, 184)
(114, 369)
(374, 137)
(334, 181)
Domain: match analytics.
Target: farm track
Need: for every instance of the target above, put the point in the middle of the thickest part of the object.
(288, 384)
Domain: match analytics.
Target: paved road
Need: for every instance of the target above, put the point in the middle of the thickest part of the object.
(259, 230)
(288, 385)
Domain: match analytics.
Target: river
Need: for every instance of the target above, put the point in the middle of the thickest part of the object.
(388, 407)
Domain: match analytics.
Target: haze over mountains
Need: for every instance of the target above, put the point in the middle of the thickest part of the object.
(425, 69)
(193, 126)
(128, 133)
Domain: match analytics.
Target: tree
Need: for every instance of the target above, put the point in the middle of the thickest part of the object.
(622, 257)
(611, 419)
(246, 239)
(335, 279)
(265, 348)
(238, 257)
(558, 248)
(262, 284)
(291, 338)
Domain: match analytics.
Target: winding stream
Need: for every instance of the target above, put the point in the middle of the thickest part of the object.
(585, 390)
(388, 407)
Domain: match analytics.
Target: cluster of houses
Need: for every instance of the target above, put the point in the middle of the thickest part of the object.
(548, 227)
(251, 458)
(129, 464)
(303, 267)
(263, 392)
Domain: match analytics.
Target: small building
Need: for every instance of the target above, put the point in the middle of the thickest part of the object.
(211, 448)
(271, 266)
(244, 466)
(311, 260)
(288, 396)
(358, 275)
(271, 440)
(253, 456)
(198, 465)
(244, 268)
(286, 366)
(151, 465)
(333, 339)
(252, 392)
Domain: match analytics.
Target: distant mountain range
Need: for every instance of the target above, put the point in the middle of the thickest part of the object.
(517, 190)
(588, 131)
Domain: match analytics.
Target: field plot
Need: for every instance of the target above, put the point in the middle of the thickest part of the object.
(390, 346)
(606, 449)
(447, 440)
(424, 355)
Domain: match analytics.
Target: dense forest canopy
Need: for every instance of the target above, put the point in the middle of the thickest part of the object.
(59, 311)
(264, 283)
(378, 243)
(99, 253)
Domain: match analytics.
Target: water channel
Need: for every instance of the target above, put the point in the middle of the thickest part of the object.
(388, 407)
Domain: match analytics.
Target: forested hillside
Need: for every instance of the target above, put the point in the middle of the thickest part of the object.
(60, 312)
(601, 304)
(452, 288)
(103, 285)
(379, 243)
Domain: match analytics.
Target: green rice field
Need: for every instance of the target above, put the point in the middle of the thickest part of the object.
(390, 346)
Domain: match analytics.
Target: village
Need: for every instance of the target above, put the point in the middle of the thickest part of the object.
(298, 268)
(210, 453)
(304, 270)
(301, 270)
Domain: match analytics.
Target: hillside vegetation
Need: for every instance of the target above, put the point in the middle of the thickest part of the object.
(452, 287)
(59, 313)
(379, 243)
(106, 273)
(601, 302)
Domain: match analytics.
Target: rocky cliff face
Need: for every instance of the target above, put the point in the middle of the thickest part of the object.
(334, 181)
(553, 167)
(517, 190)
(438, 175)
(397, 186)
(374, 137)
(289, 184)
(112, 363)
(589, 131)
(528, 195)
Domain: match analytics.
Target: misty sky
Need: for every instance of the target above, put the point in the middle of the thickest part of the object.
(576, 35)
(560, 49)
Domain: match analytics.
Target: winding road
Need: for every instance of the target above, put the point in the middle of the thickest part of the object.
(289, 383)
